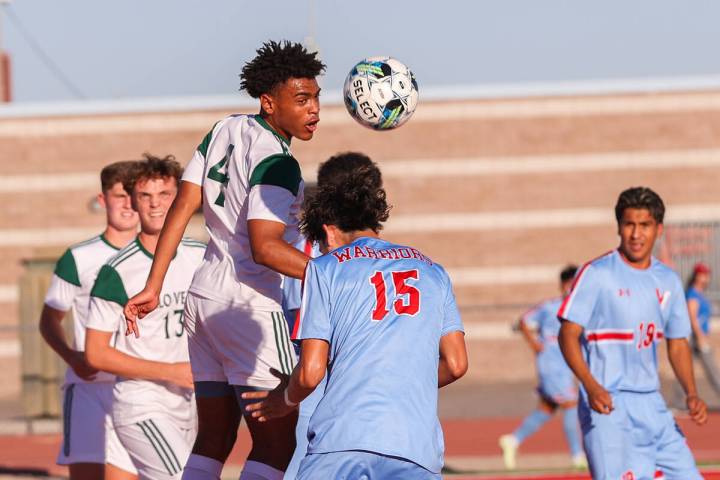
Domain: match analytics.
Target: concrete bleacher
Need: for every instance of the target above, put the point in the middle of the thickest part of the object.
(502, 192)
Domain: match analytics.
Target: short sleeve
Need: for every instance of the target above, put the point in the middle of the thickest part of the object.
(280, 170)
(578, 307)
(270, 202)
(104, 315)
(195, 169)
(109, 287)
(533, 317)
(678, 318)
(314, 319)
(451, 315)
(66, 268)
(61, 294)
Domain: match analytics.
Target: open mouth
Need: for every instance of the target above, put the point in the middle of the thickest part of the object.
(156, 214)
(312, 126)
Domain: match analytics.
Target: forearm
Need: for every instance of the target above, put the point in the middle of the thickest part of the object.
(114, 361)
(530, 337)
(446, 374)
(280, 256)
(299, 387)
(680, 358)
(570, 347)
(53, 333)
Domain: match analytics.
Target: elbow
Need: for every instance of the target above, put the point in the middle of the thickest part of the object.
(457, 367)
(93, 357)
(261, 254)
(311, 376)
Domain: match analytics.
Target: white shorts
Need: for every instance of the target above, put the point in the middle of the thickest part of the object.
(88, 433)
(159, 448)
(236, 345)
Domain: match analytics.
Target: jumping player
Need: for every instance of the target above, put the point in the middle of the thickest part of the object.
(621, 306)
(153, 403)
(90, 445)
(381, 320)
(250, 188)
(556, 383)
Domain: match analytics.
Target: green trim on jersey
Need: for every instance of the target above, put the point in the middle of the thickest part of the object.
(205, 143)
(263, 123)
(143, 249)
(123, 255)
(191, 242)
(280, 170)
(109, 286)
(105, 241)
(66, 268)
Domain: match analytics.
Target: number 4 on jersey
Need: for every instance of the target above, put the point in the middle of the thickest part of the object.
(408, 297)
(218, 172)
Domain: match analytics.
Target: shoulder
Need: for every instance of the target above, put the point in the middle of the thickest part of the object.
(109, 286)
(278, 169)
(67, 265)
(193, 248)
(228, 124)
(667, 274)
(598, 267)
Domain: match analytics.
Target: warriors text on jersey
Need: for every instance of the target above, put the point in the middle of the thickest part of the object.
(625, 312)
(383, 309)
(162, 332)
(70, 286)
(246, 172)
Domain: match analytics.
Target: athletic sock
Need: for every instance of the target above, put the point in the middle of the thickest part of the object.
(570, 425)
(260, 471)
(530, 425)
(199, 467)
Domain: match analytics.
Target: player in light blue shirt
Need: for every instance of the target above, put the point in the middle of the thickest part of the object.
(621, 306)
(556, 382)
(381, 319)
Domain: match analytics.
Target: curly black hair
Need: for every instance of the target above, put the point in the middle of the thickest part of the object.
(356, 203)
(640, 198)
(275, 63)
(337, 167)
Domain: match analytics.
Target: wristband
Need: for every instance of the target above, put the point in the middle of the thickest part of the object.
(287, 399)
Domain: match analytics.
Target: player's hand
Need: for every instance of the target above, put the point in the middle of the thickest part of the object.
(701, 343)
(537, 347)
(600, 400)
(272, 404)
(81, 367)
(137, 307)
(697, 409)
(180, 374)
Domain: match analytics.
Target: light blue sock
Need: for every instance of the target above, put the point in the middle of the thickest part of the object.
(572, 433)
(530, 425)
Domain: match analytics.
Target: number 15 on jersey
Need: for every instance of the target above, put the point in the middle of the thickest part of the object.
(407, 296)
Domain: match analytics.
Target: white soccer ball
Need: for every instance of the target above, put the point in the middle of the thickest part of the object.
(380, 93)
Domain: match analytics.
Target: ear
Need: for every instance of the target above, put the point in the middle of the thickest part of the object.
(332, 236)
(101, 200)
(267, 103)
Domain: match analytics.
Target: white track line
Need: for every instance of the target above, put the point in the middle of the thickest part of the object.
(436, 167)
(432, 112)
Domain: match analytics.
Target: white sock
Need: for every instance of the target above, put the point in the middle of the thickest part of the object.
(260, 471)
(199, 467)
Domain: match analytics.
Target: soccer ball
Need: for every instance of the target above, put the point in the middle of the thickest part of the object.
(380, 93)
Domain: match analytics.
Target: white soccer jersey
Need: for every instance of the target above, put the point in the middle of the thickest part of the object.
(247, 172)
(162, 332)
(70, 286)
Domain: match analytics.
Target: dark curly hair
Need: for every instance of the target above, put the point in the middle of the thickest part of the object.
(152, 167)
(337, 167)
(356, 203)
(275, 63)
(640, 198)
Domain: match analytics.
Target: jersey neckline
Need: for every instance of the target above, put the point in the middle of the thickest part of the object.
(267, 126)
(105, 240)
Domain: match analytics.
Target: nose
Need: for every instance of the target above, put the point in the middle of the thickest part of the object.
(314, 106)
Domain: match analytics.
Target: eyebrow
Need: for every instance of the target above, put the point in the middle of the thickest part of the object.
(307, 94)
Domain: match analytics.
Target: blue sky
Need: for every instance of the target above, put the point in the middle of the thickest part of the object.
(156, 48)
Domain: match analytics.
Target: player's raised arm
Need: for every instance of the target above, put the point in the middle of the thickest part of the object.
(189, 199)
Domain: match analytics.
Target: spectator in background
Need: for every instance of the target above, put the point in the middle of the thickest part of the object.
(700, 311)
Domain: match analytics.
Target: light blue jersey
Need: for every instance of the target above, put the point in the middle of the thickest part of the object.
(625, 312)
(556, 380)
(383, 309)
